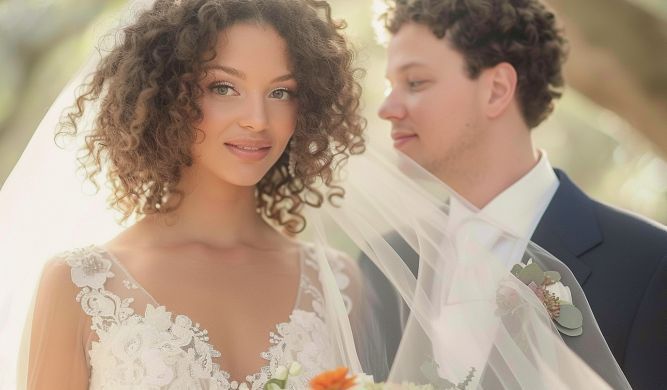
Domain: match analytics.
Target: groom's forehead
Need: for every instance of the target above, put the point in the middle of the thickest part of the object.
(409, 51)
(414, 38)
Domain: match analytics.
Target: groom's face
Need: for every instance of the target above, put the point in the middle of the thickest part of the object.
(433, 106)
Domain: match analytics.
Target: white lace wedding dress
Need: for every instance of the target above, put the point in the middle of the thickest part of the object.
(137, 343)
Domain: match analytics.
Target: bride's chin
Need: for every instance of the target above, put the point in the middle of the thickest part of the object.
(242, 176)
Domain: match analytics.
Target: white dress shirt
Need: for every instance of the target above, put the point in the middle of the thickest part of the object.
(517, 210)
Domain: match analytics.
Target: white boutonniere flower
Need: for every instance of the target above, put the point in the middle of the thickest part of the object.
(556, 297)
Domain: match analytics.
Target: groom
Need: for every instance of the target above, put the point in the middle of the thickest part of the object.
(470, 79)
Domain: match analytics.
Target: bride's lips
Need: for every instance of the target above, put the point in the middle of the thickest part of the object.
(401, 138)
(249, 150)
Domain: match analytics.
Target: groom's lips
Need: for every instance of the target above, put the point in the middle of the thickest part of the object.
(401, 138)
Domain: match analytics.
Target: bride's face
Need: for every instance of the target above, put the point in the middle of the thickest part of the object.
(249, 106)
(433, 106)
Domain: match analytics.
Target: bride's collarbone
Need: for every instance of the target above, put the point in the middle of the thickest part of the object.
(232, 265)
(209, 287)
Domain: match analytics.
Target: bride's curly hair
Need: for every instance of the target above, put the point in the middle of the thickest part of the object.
(147, 88)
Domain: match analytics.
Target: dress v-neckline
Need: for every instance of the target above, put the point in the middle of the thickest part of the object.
(196, 325)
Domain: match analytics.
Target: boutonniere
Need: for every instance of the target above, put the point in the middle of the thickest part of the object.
(555, 296)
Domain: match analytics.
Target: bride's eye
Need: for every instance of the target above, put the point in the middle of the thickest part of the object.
(281, 94)
(224, 89)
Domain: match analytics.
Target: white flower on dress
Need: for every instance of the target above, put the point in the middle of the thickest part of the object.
(158, 317)
(131, 341)
(202, 365)
(89, 269)
(296, 332)
(308, 332)
(181, 329)
(157, 372)
(99, 303)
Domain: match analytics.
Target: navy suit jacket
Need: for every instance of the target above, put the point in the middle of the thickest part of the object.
(619, 259)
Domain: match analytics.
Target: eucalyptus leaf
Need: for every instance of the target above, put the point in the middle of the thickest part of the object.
(570, 317)
(516, 270)
(570, 332)
(532, 273)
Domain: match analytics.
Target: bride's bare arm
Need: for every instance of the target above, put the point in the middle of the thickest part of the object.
(57, 358)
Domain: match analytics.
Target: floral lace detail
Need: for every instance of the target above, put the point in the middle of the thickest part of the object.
(130, 285)
(337, 264)
(154, 351)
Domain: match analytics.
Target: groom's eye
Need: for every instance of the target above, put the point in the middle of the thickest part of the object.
(416, 84)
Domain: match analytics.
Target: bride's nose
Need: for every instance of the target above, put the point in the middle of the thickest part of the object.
(254, 117)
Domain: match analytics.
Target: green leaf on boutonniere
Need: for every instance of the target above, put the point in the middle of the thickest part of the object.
(532, 273)
(570, 317)
(570, 332)
(567, 318)
(553, 276)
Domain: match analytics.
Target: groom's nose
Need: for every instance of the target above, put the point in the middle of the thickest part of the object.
(392, 109)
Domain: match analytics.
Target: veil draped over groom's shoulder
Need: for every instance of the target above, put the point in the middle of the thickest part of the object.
(472, 317)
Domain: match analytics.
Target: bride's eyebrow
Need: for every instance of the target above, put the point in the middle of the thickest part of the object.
(286, 77)
(238, 73)
(227, 69)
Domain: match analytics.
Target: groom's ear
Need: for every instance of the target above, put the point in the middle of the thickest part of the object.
(500, 82)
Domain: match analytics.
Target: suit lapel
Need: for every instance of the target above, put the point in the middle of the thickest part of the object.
(569, 227)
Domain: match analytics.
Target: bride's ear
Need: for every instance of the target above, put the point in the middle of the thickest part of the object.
(500, 84)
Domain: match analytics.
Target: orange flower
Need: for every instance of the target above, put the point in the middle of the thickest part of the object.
(333, 380)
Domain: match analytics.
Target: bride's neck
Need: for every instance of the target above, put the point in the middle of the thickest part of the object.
(213, 213)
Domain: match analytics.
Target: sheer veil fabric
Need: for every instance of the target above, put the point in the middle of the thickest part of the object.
(46, 208)
(456, 330)
(461, 328)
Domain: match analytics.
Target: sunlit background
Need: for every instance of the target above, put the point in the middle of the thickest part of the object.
(608, 133)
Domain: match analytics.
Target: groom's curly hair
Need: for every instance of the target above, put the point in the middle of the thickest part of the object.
(522, 33)
(148, 89)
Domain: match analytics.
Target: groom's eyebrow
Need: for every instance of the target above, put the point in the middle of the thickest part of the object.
(404, 67)
(409, 65)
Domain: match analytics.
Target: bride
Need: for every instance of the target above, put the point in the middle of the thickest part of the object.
(213, 119)
(216, 122)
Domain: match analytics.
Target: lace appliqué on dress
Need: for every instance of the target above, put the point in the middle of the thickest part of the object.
(154, 351)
